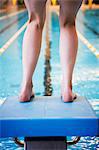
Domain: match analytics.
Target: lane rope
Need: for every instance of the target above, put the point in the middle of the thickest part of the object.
(82, 38)
(86, 42)
(12, 14)
(11, 40)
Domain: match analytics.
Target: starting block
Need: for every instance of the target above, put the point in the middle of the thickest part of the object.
(47, 116)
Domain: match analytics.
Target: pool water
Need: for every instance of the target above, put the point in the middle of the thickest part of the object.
(48, 74)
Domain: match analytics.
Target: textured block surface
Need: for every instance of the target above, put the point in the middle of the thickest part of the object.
(48, 116)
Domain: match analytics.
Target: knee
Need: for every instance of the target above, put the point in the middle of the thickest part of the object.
(67, 22)
(36, 20)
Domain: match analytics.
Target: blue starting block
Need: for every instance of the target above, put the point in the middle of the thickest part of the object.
(48, 116)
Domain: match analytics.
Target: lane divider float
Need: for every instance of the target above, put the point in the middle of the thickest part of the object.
(82, 38)
(11, 40)
(12, 14)
(86, 42)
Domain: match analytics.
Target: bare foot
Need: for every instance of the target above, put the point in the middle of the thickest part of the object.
(26, 93)
(66, 93)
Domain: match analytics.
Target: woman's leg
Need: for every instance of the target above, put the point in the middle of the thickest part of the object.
(32, 44)
(68, 44)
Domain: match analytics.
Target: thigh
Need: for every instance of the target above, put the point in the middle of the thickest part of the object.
(36, 8)
(69, 9)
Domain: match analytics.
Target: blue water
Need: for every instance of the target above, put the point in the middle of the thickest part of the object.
(47, 75)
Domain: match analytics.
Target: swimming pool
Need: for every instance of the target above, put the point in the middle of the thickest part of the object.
(48, 71)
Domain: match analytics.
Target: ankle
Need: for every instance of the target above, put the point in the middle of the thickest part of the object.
(27, 84)
(67, 85)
